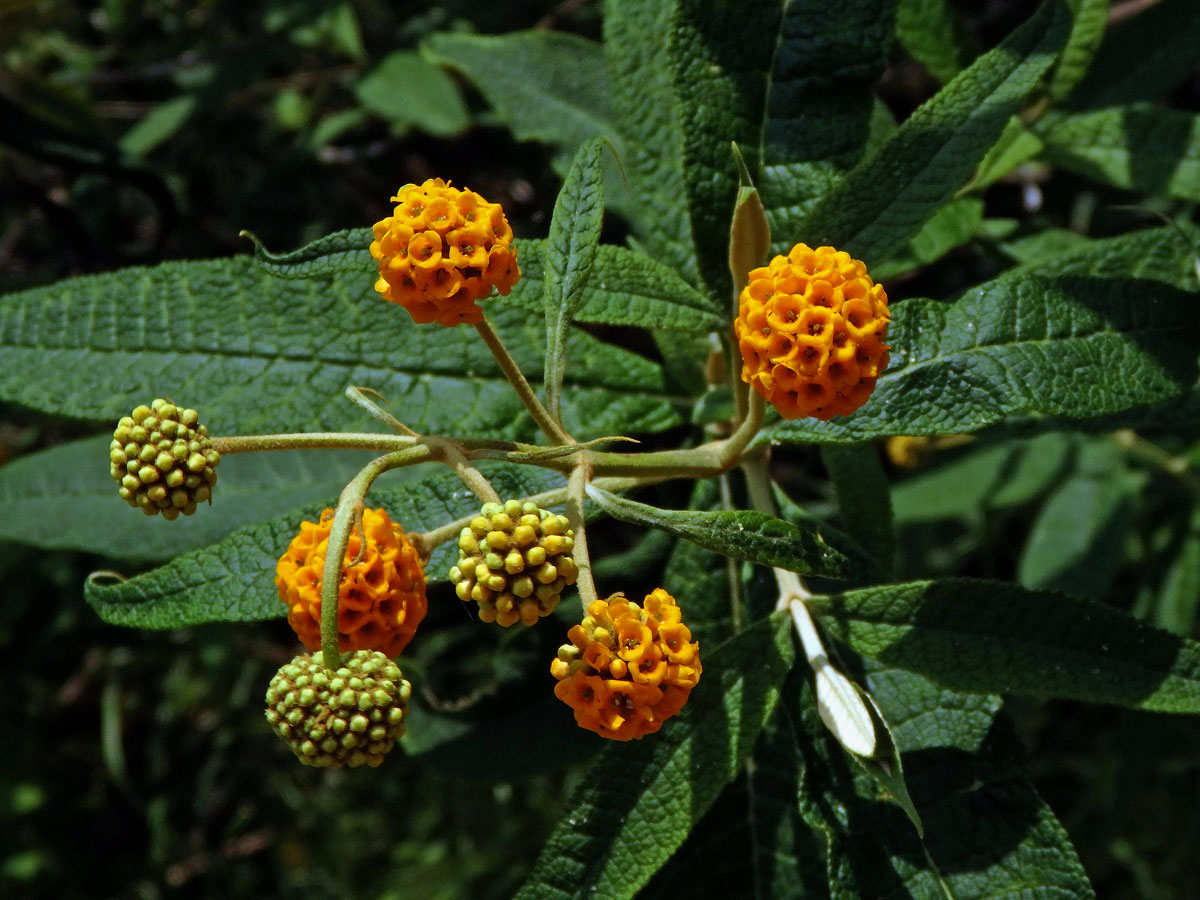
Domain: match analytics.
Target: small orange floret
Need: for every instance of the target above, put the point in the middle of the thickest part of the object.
(441, 250)
(381, 597)
(630, 693)
(811, 327)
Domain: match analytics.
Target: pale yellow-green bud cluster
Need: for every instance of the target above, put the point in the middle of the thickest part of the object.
(514, 561)
(163, 460)
(349, 716)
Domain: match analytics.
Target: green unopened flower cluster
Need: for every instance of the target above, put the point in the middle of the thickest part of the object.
(163, 460)
(514, 561)
(349, 716)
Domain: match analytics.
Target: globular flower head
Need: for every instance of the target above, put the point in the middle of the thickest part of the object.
(351, 715)
(627, 668)
(381, 598)
(441, 250)
(514, 560)
(811, 327)
(163, 460)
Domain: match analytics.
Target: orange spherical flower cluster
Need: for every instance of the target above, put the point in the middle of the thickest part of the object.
(628, 668)
(441, 250)
(811, 327)
(381, 598)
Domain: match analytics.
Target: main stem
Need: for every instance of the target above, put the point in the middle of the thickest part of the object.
(348, 514)
(513, 373)
(576, 486)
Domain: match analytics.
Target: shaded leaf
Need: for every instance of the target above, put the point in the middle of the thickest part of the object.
(636, 805)
(63, 497)
(1076, 347)
(1143, 148)
(988, 833)
(988, 636)
(931, 32)
(864, 498)
(545, 85)
(1077, 542)
(885, 200)
(410, 92)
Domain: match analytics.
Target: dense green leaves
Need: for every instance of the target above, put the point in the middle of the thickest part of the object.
(820, 106)
(282, 361)
(743, 534)
(1072, 346)
(570, 253)
(626, 288)
(1077, 540)
(636, 48)
(932, 34)
(634, 807)
(863, 497)
(1142, 57)
(885, 200)
(545, 85)
(1139, 147)
(987, 832)
(233, 579)
(989, 636)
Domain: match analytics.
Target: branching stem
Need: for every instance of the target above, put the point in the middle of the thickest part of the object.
(576, 486)
(513, 373)
(347, 516)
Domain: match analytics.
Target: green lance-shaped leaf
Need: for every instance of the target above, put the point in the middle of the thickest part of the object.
(255, 353)
(341, 251)
(743, 534)
(638, 803)
(544, 85)
(1142, 57)
(1077, 542)
(752, 842)
(63, 497)
(645, 111)
(821, 112)
(410, 92)
(988, 636)
(570, 252)
(987, 832)
(629, 288)
(1163, 254)
(933, 35)
(1142, 147)
(884, 201)
(1079, 347)
(1088, 18)
(626, 288)
(864, 498)
(233, 580)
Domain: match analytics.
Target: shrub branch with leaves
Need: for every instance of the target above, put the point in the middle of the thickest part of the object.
(770, 197)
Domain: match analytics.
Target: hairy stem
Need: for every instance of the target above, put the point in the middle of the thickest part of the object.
(576, 486)
(347, 516)
(512, 372)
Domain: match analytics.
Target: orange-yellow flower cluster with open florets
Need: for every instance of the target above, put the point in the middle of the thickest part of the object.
(628, 668)
(381, 598)
(441, 250)
(811, 327)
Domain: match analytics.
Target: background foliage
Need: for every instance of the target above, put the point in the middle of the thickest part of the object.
(135, 133)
